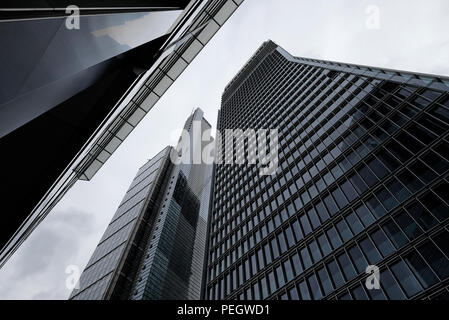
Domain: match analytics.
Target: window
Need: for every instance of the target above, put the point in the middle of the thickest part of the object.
(408, 225)
(370, 251)
(387, 199)
(335, 273)
(316, 254)
(406, 278)
(358, 258)
(324, 244)
(339, 198)
(365, 216)
(420, 268)
(346, 266)
(313, 218)
(358, 293)
(322, 212)
(325, 281)
(288, 270)
(421, 215)
(354, 222)
(409, 180)
(282, 243)
(293, 293)
(344, 231)
(297, 230)
(263, 286)
(348, 190)
(398, 190)
(304, 291)
(305, 224)
(290, 237)
(272, 282)
(367, 175)
(306, 258)
(297, 264)
(435, 259)
(442, 240)
(334, 238)
(375, 207)
(395, 234)
(314, 287)
(330, 204)
(390, 285)
(382, 242)
(274, 247)
(435, 205)
(267, 253)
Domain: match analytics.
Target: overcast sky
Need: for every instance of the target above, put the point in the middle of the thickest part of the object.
(412, 35)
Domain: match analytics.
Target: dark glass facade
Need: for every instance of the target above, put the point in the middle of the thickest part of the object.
(72, 96)
(154, 246)
(362, 180)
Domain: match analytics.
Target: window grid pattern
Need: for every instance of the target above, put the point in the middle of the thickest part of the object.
(362, 179)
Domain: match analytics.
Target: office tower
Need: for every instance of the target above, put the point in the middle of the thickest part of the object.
(362, 180)
(71, 92)
(154, 246)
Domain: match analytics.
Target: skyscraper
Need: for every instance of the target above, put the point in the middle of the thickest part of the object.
(362, 180)
(75, 82)
(154, 246)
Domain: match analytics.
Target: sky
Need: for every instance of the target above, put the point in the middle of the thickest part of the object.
(407, 35)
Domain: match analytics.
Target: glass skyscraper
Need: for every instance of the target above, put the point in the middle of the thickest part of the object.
(154, 246)
(362, 180)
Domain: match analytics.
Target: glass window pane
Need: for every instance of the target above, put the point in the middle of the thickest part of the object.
(316, 254)
(344, 231)
(390, 286)
(288, 270)
(354, 222)
(304, 291)
(406, 278)
(280, 276)
(324, 244)
(307, 261)
(359, 293)
(435, 259)
(297, 264)
(325, 281)
(382, 242)
(408, 225)
(335, 272)
(365, 215)
(358, 258)
(421, 270)
(395, 234)
(333, 237)
(346, 266)
(370, 251)
(305, 224)
(421, 215)
(314, 287)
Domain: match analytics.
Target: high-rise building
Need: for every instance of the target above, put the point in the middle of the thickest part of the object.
(362, 180)
(154, 246)
(75, 81)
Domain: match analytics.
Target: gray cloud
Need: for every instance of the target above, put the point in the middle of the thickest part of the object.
(37, 271)
(412, 36)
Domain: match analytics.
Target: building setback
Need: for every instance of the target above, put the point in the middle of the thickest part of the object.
(154, 246)
(362, 180)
